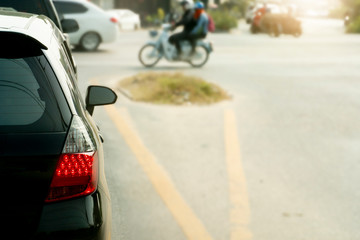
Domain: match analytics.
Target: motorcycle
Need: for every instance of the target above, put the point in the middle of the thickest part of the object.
(151, 53)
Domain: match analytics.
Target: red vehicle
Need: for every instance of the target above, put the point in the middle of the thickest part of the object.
(255, 25)
(275, 20)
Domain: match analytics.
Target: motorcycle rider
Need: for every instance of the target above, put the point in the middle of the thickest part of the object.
(201, 29)
(188, 22)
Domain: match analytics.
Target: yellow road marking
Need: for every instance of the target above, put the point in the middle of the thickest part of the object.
(192, 227)
(240, 210)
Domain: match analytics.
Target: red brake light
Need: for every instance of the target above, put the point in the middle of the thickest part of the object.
(114, 20)
(75, 176)
(76, 171)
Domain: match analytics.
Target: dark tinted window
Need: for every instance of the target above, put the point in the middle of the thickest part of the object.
(27, 100)
(29, 6)
(69, 7)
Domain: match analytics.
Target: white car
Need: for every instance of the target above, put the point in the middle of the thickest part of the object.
(127, 19)
(95, 25)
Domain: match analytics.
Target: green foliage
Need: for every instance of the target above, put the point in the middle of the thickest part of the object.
(149, 19)
(353, 7)
(353, 11)
(160, 14)
(223, 20)
(354, 27)
(155, 19)
(238, 7)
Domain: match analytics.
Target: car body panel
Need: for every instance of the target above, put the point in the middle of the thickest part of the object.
(29, 159)
(93, 20)
(127, 20)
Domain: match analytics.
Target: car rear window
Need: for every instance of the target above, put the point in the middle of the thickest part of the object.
(29, 6)
(69, 7)
(28, 102)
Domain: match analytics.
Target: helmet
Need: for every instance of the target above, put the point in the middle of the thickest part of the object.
(186, 2)
(199, 5)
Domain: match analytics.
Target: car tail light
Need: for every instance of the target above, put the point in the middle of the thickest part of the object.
(114, 20)
(76, 172)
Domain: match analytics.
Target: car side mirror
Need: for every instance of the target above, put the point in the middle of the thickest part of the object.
(99, 96)
(69, 25)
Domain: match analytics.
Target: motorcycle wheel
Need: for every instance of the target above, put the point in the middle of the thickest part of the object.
(200, 58)
(149, 55)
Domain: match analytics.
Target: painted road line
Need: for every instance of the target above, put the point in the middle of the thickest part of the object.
(239, 210)
(192, 227)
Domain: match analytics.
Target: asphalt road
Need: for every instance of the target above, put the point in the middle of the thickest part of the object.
(279, 161)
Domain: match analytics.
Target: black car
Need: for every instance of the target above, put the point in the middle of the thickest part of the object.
(51, 156)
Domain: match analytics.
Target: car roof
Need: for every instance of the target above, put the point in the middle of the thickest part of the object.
(86, 3)
(38, 27)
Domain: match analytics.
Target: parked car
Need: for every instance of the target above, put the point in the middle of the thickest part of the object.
(127, 19)
(95, 25)
(47, 8)
(51, 154)
(275, 20)
(277, 24)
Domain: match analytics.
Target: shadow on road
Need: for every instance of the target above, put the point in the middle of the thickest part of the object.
(163, 68)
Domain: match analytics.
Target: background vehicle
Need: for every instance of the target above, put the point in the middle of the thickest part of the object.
(151, 53)
(276, 24)
(95, 25)
(259, 11)
(51, 155)
(40, 7)
(127, 19)
(275, 20)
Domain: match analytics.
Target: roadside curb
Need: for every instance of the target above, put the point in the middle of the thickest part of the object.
(113, 84)
(125, 92)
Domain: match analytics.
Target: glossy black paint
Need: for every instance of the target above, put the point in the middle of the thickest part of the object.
(25, 181)
(98, 96)
(82, 218)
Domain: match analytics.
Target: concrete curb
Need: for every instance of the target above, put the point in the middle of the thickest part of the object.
(125, 92)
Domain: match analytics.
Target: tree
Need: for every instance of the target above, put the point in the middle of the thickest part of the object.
(354, 13)
(353, 6)
(240, 5)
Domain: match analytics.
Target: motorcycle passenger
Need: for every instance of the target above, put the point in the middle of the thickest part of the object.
(188, 22)
(201, 29)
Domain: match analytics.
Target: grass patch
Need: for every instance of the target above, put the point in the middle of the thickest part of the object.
(176, 88)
